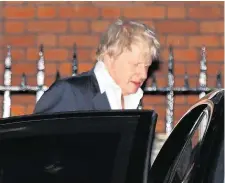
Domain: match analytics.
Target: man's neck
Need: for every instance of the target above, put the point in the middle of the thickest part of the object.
(122, 102)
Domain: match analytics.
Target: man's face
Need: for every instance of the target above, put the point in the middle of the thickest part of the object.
(129, 70)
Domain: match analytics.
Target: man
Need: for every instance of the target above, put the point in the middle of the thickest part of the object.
(124, 55)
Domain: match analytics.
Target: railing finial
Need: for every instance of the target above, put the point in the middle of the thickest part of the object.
(171, 59)
(74, 64)
(218, 80)
(186, 82)
(57, 77)
(203, 69)
(154, 82)
(8, 59)
(23, 83)
(41, 48)
(40, 73)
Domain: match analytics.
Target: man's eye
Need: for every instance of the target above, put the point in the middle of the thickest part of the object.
(136, 64)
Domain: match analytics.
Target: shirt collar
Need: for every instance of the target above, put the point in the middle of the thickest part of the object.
(104, 77)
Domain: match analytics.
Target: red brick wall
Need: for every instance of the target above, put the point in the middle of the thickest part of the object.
(58, 25)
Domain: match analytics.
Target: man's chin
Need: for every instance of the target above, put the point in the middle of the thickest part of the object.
(133, 90)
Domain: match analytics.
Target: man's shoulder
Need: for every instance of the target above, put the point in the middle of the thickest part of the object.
(79, 79)
(82, 81)
(67, 94)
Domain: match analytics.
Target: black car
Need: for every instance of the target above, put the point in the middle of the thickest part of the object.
(113, 147)
(189, 156)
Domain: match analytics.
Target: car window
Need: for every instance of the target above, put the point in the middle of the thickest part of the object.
(180, 150)
(86, 157)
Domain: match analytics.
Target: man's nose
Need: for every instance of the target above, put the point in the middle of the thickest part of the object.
(143, 73)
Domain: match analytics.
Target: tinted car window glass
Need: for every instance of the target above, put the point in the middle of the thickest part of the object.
(112, 147)
(66, 158)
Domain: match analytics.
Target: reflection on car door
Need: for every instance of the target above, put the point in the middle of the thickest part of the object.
(188, 156)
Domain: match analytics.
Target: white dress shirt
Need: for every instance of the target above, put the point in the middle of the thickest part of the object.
(113, 91)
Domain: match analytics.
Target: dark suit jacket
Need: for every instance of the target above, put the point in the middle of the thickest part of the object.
(79, 92)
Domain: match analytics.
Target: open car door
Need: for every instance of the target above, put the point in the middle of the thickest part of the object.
(79, 147)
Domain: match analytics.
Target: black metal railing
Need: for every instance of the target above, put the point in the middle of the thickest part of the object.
(7, 89)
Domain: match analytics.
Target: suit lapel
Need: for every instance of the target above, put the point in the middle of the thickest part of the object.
(100, 102)
(91, 97)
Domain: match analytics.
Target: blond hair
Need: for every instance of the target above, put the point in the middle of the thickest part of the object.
(122, 34)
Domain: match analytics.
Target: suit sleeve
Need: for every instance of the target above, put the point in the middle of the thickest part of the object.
(56, 99)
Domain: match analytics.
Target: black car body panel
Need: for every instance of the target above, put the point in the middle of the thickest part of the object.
(202, 162)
